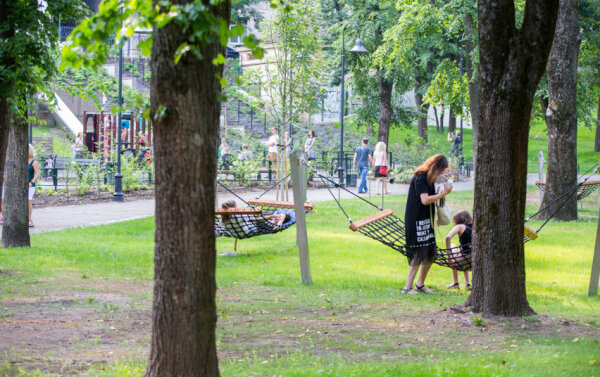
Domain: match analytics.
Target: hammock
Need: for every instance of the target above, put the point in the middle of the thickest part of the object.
(254, 219)
(585, 189)
(387, 228)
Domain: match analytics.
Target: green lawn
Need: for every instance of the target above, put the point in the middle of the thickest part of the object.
(352, 321)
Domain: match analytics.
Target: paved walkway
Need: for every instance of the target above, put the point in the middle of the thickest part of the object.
(63, 217)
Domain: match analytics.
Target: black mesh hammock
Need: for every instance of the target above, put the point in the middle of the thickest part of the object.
(385, 227)
(388, 229)
(254, 219)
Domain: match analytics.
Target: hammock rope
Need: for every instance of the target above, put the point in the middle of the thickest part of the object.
(256, 218)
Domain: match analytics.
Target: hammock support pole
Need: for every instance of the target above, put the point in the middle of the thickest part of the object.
(595, 276)
(298, 167)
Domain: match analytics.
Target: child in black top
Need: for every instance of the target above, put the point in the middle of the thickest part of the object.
(463, 221)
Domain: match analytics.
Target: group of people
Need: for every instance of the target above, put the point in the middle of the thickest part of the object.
(378, 160)
(273, 144)
(33, 176)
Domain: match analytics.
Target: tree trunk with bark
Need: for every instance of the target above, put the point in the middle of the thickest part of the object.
(561, 116)
(4, 127)
(437, 121)
(597, 143)
(15, 228)
(385, 108)
(471, 31)
(370, 131)
(186, 138)
(423, 108)
(511, 64)
(452, 122)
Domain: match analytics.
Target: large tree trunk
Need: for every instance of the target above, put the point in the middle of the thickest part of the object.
(15, 228)
(511, 64)
(385, 108)
(471, 31)
(597, 144)
(561, 117)
(4, 127)
(184, 310)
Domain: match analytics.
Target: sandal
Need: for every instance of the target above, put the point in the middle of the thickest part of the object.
(468, 286)
(405, 290)
(31, 224)
(423, 289)
(453, 286)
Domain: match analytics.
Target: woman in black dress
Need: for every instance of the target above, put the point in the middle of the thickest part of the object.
(419, 217)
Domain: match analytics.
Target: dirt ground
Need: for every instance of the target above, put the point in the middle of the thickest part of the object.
(43, 200)
(67, 331)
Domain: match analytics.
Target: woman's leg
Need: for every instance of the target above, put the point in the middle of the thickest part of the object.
(30, 209)
(412, 272)
(425, 266)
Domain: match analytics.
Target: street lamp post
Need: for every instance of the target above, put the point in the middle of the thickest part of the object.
(118, 194)
(358, 48)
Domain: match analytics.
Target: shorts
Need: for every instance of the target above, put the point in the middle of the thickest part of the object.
(377, 174)
(272, 156)
(31, 192)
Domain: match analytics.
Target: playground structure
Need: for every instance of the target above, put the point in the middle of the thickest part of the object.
(100, 132)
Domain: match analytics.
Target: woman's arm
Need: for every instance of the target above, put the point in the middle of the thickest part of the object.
(36, 171)
(427, 199)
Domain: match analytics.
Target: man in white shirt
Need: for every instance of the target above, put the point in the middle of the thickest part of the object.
(272, 144)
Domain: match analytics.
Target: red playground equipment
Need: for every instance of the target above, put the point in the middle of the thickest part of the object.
(100, 133)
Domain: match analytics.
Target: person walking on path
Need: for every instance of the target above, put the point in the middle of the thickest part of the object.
(362, 160)
(421, 248)
(380, 161)
(34, 175)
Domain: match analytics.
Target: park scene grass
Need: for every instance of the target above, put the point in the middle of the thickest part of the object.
(79, 302)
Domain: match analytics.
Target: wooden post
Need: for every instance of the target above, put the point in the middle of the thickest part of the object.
(541, 177)
(595, 276)
(298, 160)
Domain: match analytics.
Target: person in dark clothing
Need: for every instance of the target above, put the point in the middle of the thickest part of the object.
(463, 222)
(362, 159)
(419, 216)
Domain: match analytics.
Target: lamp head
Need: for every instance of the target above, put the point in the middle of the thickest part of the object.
(359, 48)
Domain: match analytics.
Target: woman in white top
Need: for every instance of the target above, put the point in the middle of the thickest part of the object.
(379, 160)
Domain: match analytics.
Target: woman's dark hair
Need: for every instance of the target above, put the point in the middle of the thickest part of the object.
(287, 218)
(313, 133)
(433, 167)
(463, 217)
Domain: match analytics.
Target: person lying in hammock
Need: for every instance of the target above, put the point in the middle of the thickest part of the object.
(244, 225)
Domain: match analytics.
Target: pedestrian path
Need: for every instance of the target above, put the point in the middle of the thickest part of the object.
(64, 217)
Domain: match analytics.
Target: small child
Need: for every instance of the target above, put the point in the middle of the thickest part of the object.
(463, 221)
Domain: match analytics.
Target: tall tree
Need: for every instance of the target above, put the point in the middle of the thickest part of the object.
(561, 113)
(426, 34)
(16, 216)
(512, 60)
(188, 43)
(290, 81)
(28, 36)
